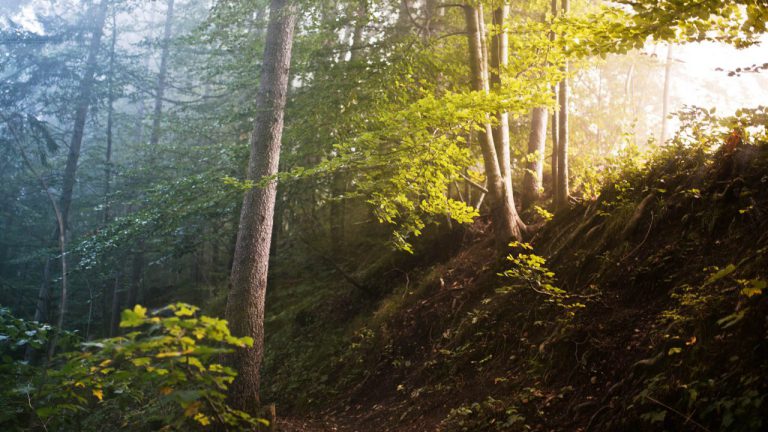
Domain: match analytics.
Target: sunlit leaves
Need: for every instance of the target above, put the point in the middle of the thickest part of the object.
(737, 22)
(169, 358)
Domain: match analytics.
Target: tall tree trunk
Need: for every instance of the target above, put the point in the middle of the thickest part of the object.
(81, 111)
(561, 199)
(339, 178)
(499, 61)
(106, 310)
(114, 323)
(506, 221)
(154, 138)
(248, 281)
(42, 309)
(537, 139)
(61, 231)
(110, 115)
(70, 171)
(137, 275)
(665, 102)
(431, 16)
(555, 136)
(555, 123)
(137, 261)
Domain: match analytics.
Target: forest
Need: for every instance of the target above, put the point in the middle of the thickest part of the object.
(371, 216)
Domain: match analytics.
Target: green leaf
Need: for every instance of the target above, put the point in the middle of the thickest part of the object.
(730, 268)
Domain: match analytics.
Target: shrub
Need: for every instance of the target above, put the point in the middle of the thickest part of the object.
(162, 375)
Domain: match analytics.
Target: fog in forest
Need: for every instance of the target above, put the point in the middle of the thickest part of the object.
(398, 215)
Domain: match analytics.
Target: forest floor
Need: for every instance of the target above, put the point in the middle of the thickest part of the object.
(661, 323)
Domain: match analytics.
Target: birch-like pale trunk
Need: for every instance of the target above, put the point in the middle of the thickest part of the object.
(506, 222)
(532, 179)
(561, 198)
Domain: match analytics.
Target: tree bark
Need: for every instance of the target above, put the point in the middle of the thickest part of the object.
(561, 199)
(555, 136)
(500, 60)
(537, 139)
(665, 102)
(506, 221)
(555, 123)
(248, 280)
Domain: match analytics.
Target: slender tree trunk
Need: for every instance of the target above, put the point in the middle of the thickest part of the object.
(110, 115)
(81, 111)
(561, 199)
(431, 17)
(137, 261)
(665, 102)
(137, 275)
(70, 171)
(555, 123)
(500, 60)
(42, 310)
(599, 131)
(106, 310)
(154, 138)
(504, 215)
(248, 281)
(339, 178)
(555, 136)
(61, 231)
(537, 139)
(114, 323)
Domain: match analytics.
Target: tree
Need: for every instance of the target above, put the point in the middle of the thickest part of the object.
(162, 75)
(665, 98)
(507, 223)
(339, 179)
(83, 103)
(555, 120)
(534, 168)
(248, 280)
(561, 197)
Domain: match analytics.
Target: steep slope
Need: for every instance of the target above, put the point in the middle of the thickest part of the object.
(649, 312)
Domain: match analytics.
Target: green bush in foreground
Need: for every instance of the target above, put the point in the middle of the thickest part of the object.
(161, 375)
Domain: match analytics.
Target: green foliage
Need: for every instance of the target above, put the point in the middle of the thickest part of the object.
(163, 374)
(543, 213)
(16, 337)
(731, 400)
(166, 207)
(592, 176)
(488, 415)
(529, 269)
(738, 22)
(16, 333)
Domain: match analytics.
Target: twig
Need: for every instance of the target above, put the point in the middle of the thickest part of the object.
(29, 402)
(346, 276)
(478, 186)
(686, 417)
